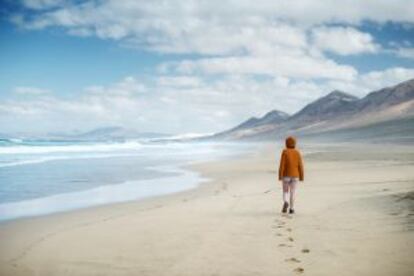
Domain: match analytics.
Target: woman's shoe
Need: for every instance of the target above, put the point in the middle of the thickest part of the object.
(291, 211)
(285, 207)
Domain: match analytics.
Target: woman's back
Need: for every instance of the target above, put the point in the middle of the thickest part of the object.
(290, 169)
(291, 161)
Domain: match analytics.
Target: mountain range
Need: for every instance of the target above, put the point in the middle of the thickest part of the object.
(115, 133)
(111, 133)
(334, 114)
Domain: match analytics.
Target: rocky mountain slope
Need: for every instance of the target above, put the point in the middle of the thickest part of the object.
(335, 111)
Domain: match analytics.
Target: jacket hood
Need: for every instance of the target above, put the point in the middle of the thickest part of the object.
(290, 142)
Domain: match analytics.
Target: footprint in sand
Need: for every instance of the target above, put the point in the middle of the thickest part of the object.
(287, 216)
(289, 229)
(305, 250)
(284, 245)
(299, 270)
(281, 222)
(290, 239)
(292, 260)
(279, 235)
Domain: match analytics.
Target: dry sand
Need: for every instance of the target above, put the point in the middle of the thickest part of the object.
(354, 217)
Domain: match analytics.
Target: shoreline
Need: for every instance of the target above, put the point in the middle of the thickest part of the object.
(231, 225)
(158, 180)
(128, 191)
(190, 167)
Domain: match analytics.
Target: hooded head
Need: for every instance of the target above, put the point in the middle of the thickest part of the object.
(290, 142)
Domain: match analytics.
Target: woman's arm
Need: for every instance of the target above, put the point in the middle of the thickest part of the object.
(301, 169)
(282, 165)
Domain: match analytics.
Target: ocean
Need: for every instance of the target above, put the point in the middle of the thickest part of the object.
(39, 177)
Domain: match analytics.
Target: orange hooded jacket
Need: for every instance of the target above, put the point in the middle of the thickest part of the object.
(291, 161)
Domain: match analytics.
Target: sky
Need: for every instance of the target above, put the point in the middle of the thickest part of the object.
(190, 66)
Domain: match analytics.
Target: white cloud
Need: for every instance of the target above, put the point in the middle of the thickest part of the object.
(405, 52)
(372, 81)
(207, 106)
(26, 90)
(295, 65)
(261, 37)
(391, 76)
(251, 57)
(127, 86)
(212, 27)
(187, 16)
(43, 4)
(179, 81)
(343, 40)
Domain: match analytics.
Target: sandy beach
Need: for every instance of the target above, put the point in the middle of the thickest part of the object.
(355, 216)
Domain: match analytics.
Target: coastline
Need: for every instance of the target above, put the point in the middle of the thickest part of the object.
(231, 225)
(75, 182)
(133, 190)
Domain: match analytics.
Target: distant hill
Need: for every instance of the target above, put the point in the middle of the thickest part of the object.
(269, 120)
(272, 117)
(113, 133)
(327, 107)
(336, 111)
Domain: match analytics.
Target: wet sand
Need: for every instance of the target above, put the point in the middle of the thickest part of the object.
(355, 216)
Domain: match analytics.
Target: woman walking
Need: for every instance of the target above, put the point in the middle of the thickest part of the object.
(290, 171)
